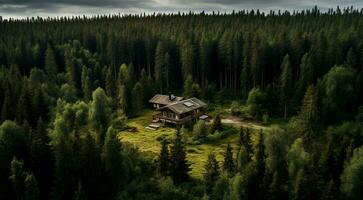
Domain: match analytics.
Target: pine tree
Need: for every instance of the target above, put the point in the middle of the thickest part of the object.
(50, 65)
(111, 83)
(123, 99)
(164, 160)
(137, 99)
(159, 72)
(65, 171)
(179, 166)
(112, 159)
(188, 87)
(31, 188)
(260, 156)
(308, 116)
(246, 142)
(17, 177)
(211, 174)
(91, 166)
(228, 164)
(86, 84)
(285, 84)
(217, 124)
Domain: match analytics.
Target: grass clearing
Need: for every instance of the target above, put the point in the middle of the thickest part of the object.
(147, 141)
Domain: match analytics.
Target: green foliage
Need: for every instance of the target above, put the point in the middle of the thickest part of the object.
(200, 131)
(17, 177)
(31, 188)
(164, 159)
(285, 85)
(100, 110)
(339, 93)
(255, 102)
(179, 167)
(228, 164)
(297, 158)
(137, 98)
(188, 87)
(211, 172)
(216, 125)
(235, 108)
(307, 117)
(352, 176)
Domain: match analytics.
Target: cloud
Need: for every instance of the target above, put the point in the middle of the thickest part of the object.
(25, 8)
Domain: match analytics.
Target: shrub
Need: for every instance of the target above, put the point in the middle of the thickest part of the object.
(235, 108)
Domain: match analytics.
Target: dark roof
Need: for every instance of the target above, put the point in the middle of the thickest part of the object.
(164, 99)
(185, 106)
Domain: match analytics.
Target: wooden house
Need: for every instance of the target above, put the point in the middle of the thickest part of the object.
(180, 112)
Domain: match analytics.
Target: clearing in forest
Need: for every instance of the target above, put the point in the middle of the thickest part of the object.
(148, 141)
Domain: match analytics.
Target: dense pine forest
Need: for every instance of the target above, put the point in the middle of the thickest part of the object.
(69, 85)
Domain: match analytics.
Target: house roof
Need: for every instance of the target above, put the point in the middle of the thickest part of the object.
(164, 99)
(185, 106)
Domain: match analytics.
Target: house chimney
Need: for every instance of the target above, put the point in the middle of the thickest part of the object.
(170, 99)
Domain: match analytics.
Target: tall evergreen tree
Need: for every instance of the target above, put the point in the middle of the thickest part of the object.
(228, 164)
(164, 159)
(211, 174)
(285, 84)
(51, 67)
(31, 188)
(17, 177)
(179, 166)
(308, 116)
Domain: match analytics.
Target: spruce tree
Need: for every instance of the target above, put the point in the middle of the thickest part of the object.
(112, 159)
(188, 87)
(211, 173)
(17, 177)
(31, 188)
(246, 142)
(285, 84)
(164, 159)
(308, 116)
(51, 67)
(228, 164)
(217, 124)
(179, 166)
(137, 99)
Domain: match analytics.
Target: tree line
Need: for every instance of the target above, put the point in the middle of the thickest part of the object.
(70, 83)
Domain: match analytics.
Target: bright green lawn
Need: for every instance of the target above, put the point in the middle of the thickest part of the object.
(146, 141)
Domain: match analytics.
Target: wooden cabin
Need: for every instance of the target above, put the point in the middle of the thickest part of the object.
(180, 112)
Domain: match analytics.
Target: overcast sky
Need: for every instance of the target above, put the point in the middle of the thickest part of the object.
(44, 8)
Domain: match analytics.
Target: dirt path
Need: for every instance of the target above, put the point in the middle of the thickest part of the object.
(238, 121)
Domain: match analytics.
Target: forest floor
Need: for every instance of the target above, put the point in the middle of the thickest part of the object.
(148, 141)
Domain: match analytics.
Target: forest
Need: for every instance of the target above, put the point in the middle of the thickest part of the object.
(69, 85)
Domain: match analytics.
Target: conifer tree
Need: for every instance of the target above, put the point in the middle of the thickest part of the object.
(285, 84)
(188, 87)
(111, 83)
(228, 164)
(308, 116)
(179, 166)
(112, 159)
(246, 142)
(51, 67)
(31, 188)
(137, 98)
(86, 84)
(164, 159)
(17, 177)
(217, 124)
(211, 174)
